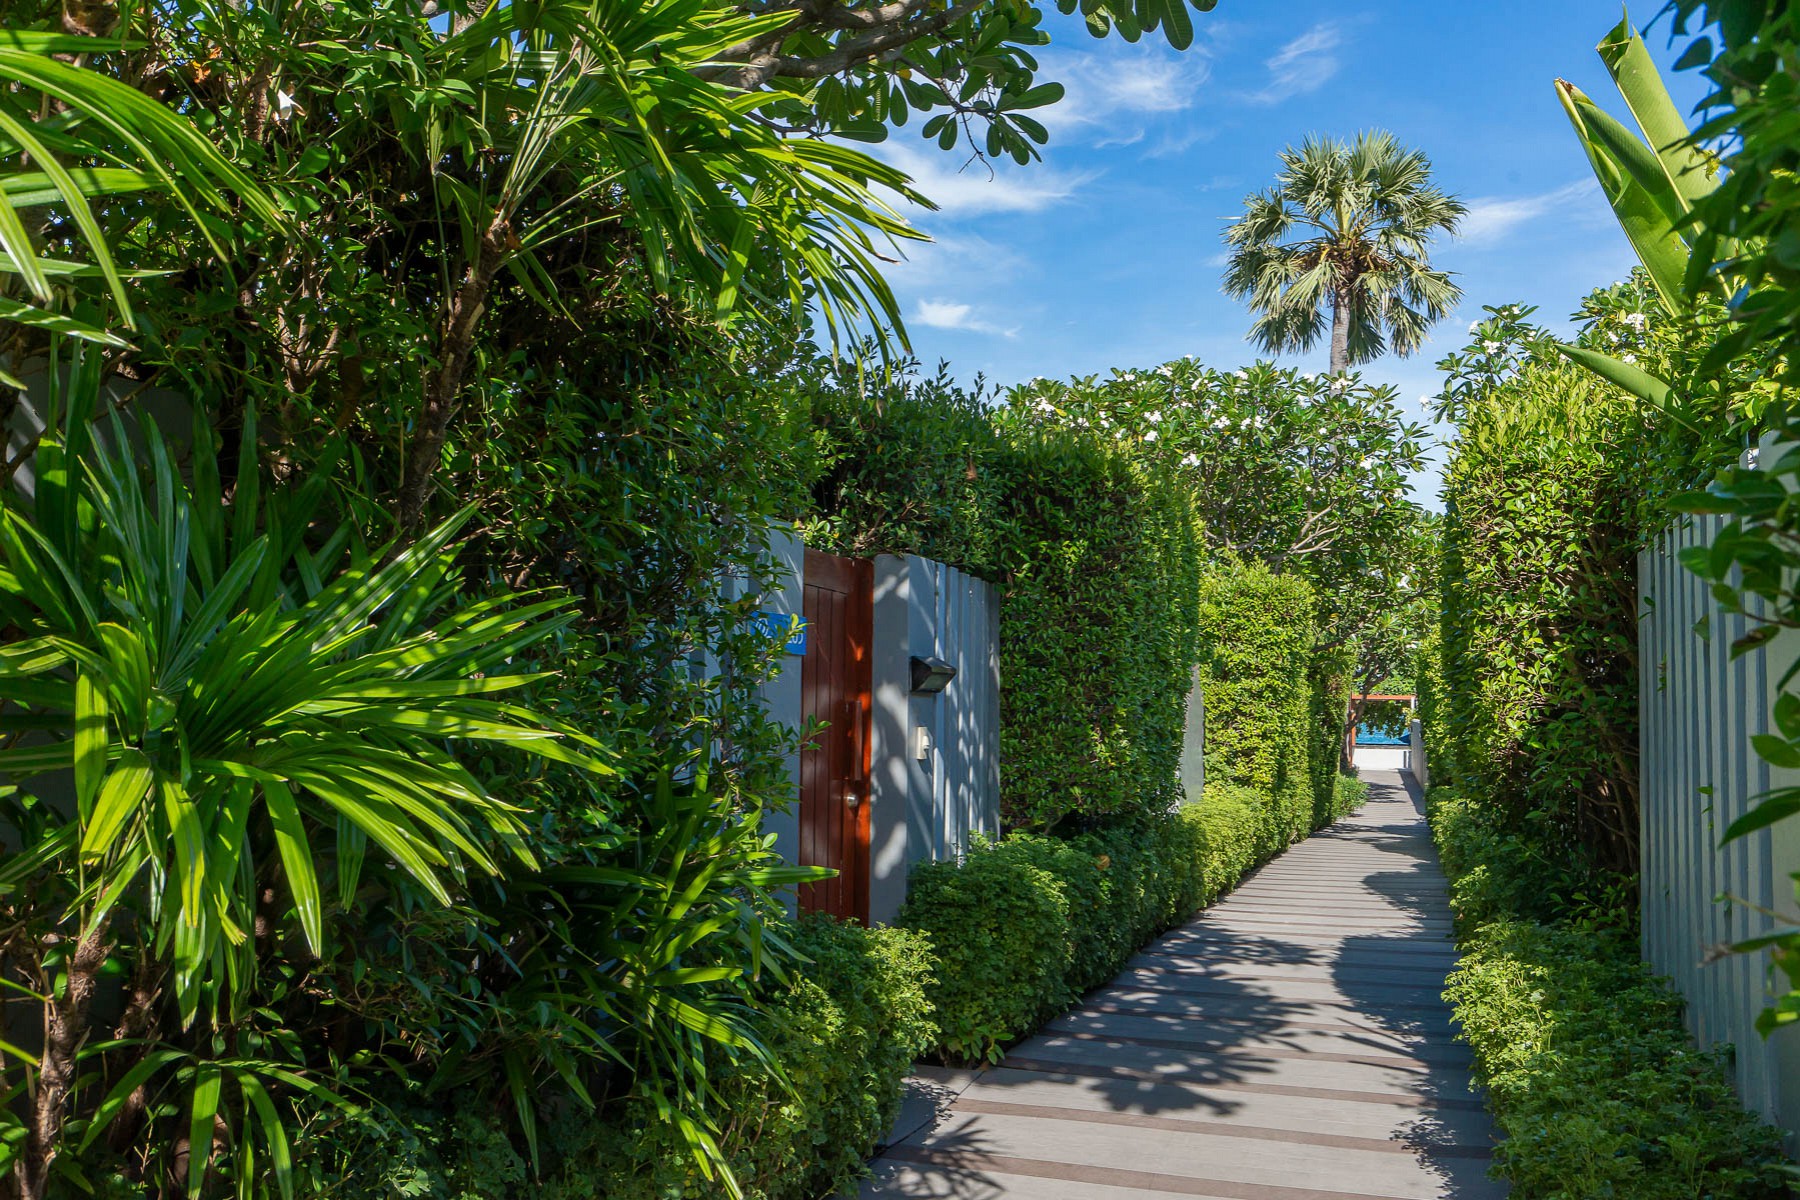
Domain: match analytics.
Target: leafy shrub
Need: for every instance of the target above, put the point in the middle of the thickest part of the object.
(842, 1032)
(1000, 925)
(1257, 632)
(1589, 1073)
(1592, 1079)
(1023, 926)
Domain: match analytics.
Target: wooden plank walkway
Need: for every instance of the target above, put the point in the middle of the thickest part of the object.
(1289, 1043)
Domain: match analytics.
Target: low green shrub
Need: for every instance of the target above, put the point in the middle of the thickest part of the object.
(1589, 1073)
(1023, 926)
(999, 923)
(843, 1030)
(1592, 1079)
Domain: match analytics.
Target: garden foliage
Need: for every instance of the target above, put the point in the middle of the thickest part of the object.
(1589, 1072)
(841, 1033)
(1554, 483)
(1305, 473)
(1274, 706)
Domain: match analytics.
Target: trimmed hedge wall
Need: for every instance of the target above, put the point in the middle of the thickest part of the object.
(1537, 712)
(1100, 573)
(1589, 1073)
(1273, 707)
(1024, 926)
(1097, 562)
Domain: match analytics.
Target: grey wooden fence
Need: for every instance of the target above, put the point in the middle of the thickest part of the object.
(1699, 709)
(935, 759)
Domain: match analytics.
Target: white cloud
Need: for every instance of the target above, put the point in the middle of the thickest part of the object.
(949, 314)
(955, 260)
(975, 189)
(1492, 218)
(1117, 87)
(1304, 65)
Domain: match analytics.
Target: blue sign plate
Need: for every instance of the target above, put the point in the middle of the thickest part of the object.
(784, 625)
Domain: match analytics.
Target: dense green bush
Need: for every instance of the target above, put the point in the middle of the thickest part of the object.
(1001, 926)
(1097, 631)
(1023, 926)
(1589, 1073)
(1257, 634)
(1096, 556)
(842, 1033)
(1554, 483)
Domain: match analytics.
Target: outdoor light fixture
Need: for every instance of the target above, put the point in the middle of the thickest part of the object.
(930, 675)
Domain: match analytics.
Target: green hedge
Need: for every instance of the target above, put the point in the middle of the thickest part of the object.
(1023, 926)
(1256, 667)
(1097, 563)
(1097, 632)
(1589, 1073)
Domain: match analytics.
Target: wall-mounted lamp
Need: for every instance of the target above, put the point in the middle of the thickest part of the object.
(930, 675)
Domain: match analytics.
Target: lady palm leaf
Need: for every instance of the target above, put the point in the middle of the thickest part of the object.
(206, 716)
(1345, 231)
(104, 139)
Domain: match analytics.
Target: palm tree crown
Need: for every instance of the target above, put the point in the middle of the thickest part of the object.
(1346, 227)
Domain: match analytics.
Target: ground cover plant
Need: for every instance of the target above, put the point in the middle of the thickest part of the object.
(1587, 1067)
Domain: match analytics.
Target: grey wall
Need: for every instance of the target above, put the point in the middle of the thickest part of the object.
(1192, 771)
(1416, 763)
(1698, 773)
(781, 694)
(935, 759)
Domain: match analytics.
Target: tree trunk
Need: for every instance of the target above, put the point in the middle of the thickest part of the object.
(1340, 334)
(443, 386)
(65, 1029)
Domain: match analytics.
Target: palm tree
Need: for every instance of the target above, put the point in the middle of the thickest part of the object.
(1347, 227)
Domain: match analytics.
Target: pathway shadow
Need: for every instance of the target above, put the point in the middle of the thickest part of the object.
(949, 1168)
(1160, 1042)
(1453, 1140)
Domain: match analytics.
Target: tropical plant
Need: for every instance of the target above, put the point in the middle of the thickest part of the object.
(1653, 183)
(507, 145)
(1747, 225)
(267, 724)
(1346, 230)
(119, 142)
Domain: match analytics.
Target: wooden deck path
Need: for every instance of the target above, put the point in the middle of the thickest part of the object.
(1289, 1043)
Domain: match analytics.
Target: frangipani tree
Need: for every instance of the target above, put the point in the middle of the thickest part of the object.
(1340, 247)
(1307, 473)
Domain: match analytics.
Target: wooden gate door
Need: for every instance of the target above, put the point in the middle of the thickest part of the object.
(834, 770)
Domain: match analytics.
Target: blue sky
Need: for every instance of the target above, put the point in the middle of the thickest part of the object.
(1108, 253)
